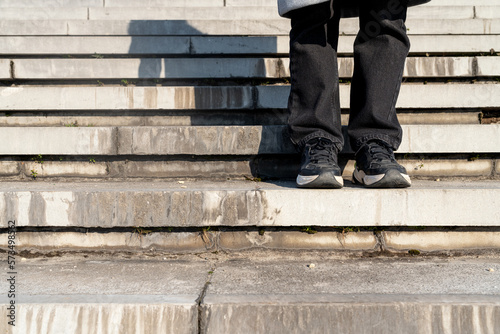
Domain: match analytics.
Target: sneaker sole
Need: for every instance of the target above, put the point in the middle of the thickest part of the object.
(325, 180)
(391, 179)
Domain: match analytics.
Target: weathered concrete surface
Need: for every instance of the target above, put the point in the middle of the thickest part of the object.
(240, 203)
(140, 240)
(416, 96)
(487, 66)
(144, 68)
(4, 69)
(274, 27)
(352, 296)
(148, 68)
(255, 12)
(256, 292)
(411, 96)
(487, 12)
(221, 169)
(224, 140)
(216, 117)
(58, 140)
(50, 3)
(8, 168)
(186, 13)
(351, 314)
(66, 169)
(439, 167)
(440, 241)
(43, 13)
(295, 240)
(238, 45)
(161, 3)
(119, 98)
(204, 140)
(107, 295)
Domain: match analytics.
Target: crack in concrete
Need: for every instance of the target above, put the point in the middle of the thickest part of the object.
(201, 297)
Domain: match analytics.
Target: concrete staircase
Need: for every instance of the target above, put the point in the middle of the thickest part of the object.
(154, 130)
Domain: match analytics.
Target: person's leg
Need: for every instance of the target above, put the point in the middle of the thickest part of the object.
(314, 104)
(314, 122)
(380, 50)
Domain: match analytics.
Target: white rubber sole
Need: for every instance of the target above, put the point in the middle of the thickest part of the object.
(326, 180)
(391, 179)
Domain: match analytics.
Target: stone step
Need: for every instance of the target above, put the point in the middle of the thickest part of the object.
(43, 167)
(216, 13)
(247, 203)
(5, 69)
(185, 3)
(412, 96)
(215, 45)
(150, 118)
(191, 68)
(259, 292)
(274, 27)
(140, 239)
(223, 140)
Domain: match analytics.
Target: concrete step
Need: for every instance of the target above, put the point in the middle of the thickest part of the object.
(216, 13)
(273, 27)
(191, 68)
(42, 167)
(257, 292)
(247, 203)
(232, 45)
(412, 96)
(185, 3)
(423, 241)
(223, 140)
(230, 118)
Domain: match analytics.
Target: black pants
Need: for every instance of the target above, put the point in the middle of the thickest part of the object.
(380, 50)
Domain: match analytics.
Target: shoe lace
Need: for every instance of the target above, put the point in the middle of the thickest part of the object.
(380, 151)
(322, 150)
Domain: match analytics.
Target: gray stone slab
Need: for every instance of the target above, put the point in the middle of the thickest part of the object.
(488, 66)
(58, 140)
(140, 240)
(44, 13)
(230, 117)
(161, 3)
(350, 314)
(352, 296)
(147, 68)
(274, 27)
(411, 96)
(5, 69)
(129, 98)
(226, 67)
(50, 3)
(187, 13)
(156, 45)
(142, 295)
(203, 140)
(224, 140)
(441, 241)
(487, 12)
(95, 45)
(202, 203)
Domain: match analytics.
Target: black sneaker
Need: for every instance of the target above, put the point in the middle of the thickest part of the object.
(319, 167)
(376, 167)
